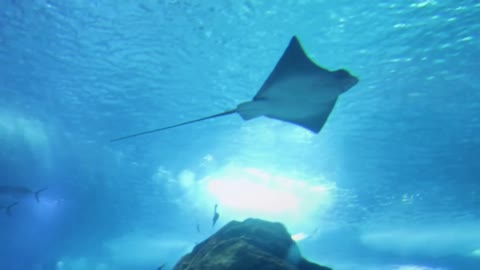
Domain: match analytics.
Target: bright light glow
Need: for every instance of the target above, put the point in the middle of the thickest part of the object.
(243, 192)
(476, 252)
(299, 236)
(247, 195)
(253, 192)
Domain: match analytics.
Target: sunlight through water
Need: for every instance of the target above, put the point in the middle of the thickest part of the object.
(242, 192)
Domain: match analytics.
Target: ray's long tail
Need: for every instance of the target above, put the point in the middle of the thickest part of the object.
(177, 125)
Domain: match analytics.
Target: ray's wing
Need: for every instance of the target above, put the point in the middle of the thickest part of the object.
(315, 122)
(293, 62)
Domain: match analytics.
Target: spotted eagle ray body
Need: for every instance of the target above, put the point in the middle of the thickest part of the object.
(297, 91)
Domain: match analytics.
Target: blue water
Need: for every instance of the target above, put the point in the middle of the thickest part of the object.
(391, 182)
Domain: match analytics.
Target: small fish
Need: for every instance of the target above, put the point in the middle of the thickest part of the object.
(161, 267)
(215, 216)
(198, 228)
(20, 191)
(8, 208)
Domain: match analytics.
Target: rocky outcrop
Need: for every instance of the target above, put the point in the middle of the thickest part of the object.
(253, 244)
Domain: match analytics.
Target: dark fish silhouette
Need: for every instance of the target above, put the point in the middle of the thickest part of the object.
(8, 208)
(297, 91)
(215, 216)
(20, 191)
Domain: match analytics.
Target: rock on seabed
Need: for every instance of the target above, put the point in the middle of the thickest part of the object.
(253, 244)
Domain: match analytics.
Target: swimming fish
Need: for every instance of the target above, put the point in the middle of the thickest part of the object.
(297, 91)
(8, 208)
(20, 191)
(215, 216)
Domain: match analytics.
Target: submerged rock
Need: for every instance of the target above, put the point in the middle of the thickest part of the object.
(253, 244)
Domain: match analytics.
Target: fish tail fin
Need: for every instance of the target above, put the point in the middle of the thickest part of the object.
(37, 193)
(9, 209)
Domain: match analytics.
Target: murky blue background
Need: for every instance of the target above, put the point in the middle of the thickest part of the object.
(396, 166)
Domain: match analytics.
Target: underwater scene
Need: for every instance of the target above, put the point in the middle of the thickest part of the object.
(239, 134)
